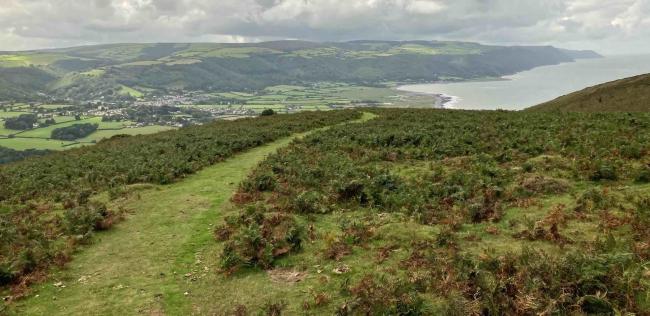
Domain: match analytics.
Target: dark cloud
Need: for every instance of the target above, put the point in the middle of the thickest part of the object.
(605, 25)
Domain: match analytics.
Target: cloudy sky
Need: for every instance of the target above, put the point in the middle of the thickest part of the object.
(608, 26)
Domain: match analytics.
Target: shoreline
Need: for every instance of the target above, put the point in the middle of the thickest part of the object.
(441, 100)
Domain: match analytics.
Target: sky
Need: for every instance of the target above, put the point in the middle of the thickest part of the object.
(607, 26)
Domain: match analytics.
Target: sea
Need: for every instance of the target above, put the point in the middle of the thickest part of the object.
(535, 86)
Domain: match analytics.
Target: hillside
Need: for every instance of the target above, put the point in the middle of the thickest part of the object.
(625, 95)
(128, 70)
(386, 212)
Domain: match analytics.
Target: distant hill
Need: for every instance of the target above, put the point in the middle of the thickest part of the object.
(123, 70)
(625, 95)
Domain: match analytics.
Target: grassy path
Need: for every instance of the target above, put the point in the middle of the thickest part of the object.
(141, 266)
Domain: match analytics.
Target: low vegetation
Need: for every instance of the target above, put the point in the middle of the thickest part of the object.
(449, 212)
(44, 214)
(8, 155)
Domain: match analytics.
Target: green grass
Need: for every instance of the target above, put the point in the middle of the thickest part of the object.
(102, 134)
(124, 90)
(35, 143)
(6, 132)
(94, 73)
(26, 59)
(7, 114)
(54, 106)
(140, 266)
(46, 132)
(39, 138)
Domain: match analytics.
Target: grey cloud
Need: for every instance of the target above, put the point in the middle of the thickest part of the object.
(591, 23)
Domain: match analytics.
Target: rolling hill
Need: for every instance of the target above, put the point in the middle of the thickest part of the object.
(127, 70)
(625, 95)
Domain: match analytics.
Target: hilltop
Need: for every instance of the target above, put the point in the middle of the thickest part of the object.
(625, 95)
(381, 212)
(131, 70)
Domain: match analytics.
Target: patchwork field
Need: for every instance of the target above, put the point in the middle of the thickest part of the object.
(40, 138)
(323, 96)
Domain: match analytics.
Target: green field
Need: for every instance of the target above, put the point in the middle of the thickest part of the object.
(102, 134)
(124, 90)
(35, 143)
(7, 132)
(54, 106)
(7, 114)
(39, 138)
(322, 96)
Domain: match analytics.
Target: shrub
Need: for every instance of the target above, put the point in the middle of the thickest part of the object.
(274, 309)
(7, 274)
(356, 232)
(260, 182)
(377, 295)
(643, 175)
(593, 199)
(80, 221)
(353, 190)
(267, 112)
(257, 239)
(544, 185)
(309, 202)
(604, 171)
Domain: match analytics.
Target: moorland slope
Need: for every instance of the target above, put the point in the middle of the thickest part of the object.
(624, 95)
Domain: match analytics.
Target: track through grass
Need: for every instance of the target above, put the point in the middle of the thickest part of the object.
(140, 266)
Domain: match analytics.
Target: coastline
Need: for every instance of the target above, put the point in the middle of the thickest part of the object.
(442, 101)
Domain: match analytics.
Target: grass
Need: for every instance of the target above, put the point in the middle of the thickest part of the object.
(35, 143)
(39, 138)
(6, 132)
(46, 132)
(322, 96)
(102, 134)
(124, 90)
(28, 59)
(94, 73)
(142, 265)
(54, 106)
(11, 114)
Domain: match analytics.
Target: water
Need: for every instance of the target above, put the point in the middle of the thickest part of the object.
(535, 86)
